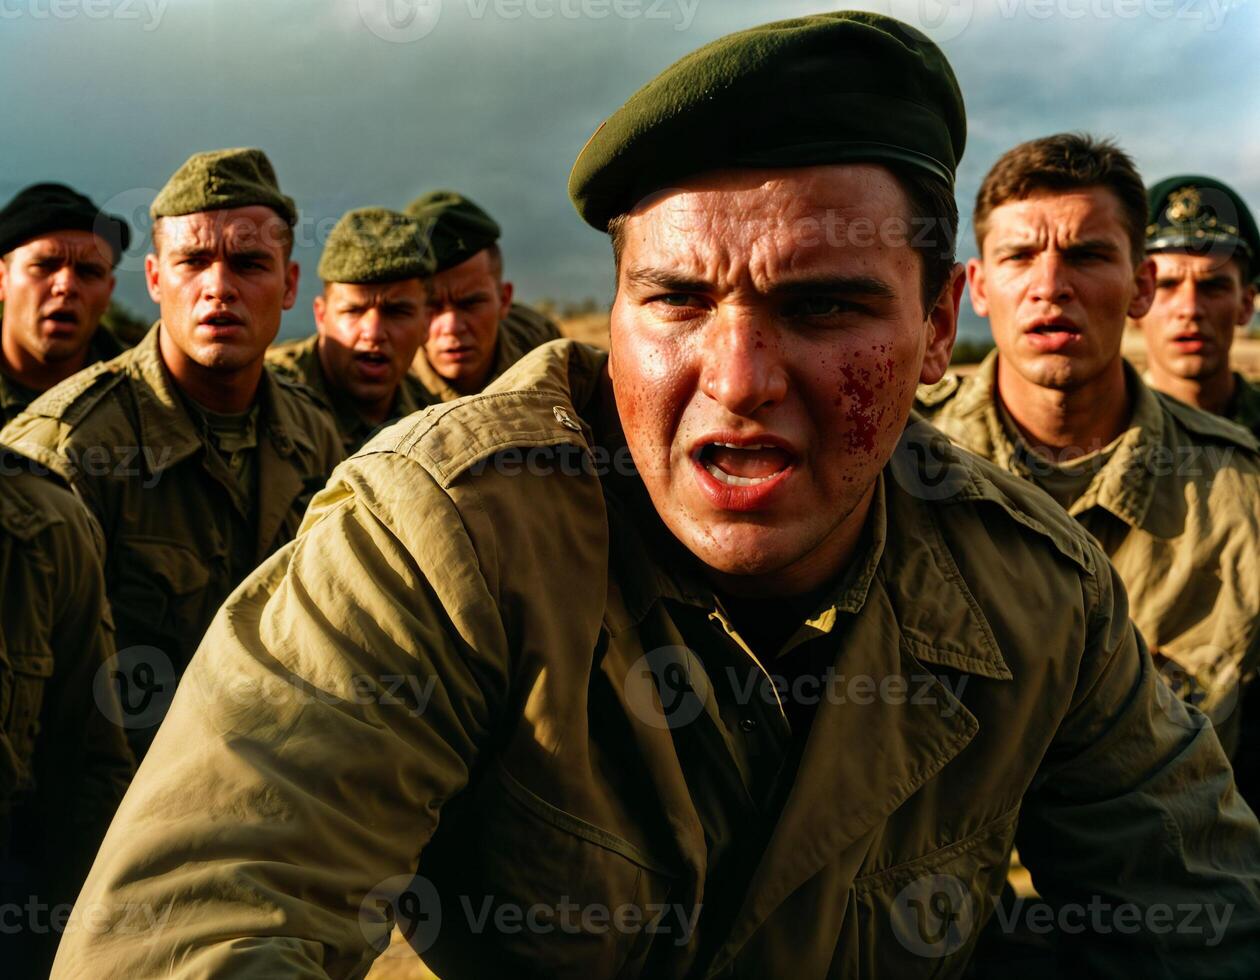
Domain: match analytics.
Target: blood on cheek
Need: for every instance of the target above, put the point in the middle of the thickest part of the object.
(864, 398)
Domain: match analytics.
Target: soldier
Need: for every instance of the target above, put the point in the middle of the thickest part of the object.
(57, 256)
(475, 332)
(196, 461)
(673, 662)
(64, 763)
(1171, 493)
(1207, 258)
(370, 321)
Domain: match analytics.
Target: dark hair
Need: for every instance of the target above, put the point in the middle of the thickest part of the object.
(933, 231)
(495, 255)
(1063, 162)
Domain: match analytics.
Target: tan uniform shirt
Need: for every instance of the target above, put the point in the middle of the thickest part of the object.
(520, 332)
(64, 763)
(477, 659)
(1177, 510)
(15, 397)
(180, 530)
(299, 360)
(1245, 407)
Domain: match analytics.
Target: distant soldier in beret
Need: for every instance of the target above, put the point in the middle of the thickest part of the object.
(58, 251)
(1172, 494)
(475, 332)
(64, 761)
(707, 659)
(197, 462)
(370, 321)
(1207, 261)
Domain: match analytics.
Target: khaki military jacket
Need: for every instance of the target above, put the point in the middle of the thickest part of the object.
(520, 332)
(15, 397)
(299, 361)
(179, 534)
(1245, 408)
(474, 660)
(64, 762)
(1177, 510)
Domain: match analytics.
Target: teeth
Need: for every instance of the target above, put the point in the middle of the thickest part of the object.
(731, 445)
(735, 481)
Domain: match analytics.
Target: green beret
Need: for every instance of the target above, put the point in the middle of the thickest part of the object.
(841, 87)
(375, 245)
(223, 179)
(1190, 213)
(457, 228)
(45, 208)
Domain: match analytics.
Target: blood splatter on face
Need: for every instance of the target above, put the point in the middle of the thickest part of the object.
(762, 376)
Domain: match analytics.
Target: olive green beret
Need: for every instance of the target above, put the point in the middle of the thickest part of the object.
(457, 228)
(44, 208)
(375, 245)
(839, 87)
(1191, 213)
(222, 179)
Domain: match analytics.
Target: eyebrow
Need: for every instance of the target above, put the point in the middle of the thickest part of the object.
(831, 285)
(1082, 245)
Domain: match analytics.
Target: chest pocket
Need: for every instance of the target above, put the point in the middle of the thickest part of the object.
(160, 594)
(924, 916)
(24, 673)
(556, 895)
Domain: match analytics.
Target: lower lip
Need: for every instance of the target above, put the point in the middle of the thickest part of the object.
(723, 496)
(59, 328)
(222, 331)
(1052, 342)
(1189, 346)
(459, 356)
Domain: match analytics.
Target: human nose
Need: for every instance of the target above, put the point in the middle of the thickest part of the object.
(1051, 281)
(218, 283)
(372, 326)
(742, 370)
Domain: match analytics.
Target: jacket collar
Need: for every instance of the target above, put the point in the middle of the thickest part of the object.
(165, 422)
(1125, 486)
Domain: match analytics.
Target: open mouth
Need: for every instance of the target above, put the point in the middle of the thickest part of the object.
(371, 358)
(222, 320)
(1055, 328)
(62, 316)
(743, 466)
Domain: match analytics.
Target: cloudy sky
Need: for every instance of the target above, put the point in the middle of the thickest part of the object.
(373, 101)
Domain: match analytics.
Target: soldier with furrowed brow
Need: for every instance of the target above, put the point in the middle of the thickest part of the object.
(594, 638)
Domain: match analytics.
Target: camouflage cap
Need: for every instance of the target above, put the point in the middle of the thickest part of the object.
(371, 245)
(843, 87)
(1192, 213)
(45, 208)
(220, 179)
(457, 227)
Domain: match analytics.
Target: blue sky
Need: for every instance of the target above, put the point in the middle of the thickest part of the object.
(364, 102)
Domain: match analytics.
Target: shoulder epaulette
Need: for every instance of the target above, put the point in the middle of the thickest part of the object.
(74, 398)
(1206, 425)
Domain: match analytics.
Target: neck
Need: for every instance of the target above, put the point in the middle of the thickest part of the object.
(1212, 394)
(37, 375)
(1066, 424)
(224, 392)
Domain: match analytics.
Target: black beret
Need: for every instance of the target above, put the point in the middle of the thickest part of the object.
(1191, 213)
(841, 87)
(44, 208)
(458, 228)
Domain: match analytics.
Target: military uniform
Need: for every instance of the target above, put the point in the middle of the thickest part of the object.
(64, 763)
(520, 332)
(14, 397)
(1244, 408)
(524, 615)
(1176, 508)
(180, 529)
(299, 361)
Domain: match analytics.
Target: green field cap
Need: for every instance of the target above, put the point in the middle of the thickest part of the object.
(457, 227)
(842, 87)
(371, 245)
(221, 179)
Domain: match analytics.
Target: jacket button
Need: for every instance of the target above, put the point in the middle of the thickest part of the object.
(748, 724)
(564, 418)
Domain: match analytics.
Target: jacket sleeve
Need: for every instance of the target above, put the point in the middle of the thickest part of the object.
(1133, 829)
(339, 698)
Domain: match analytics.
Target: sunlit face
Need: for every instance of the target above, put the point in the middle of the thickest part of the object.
(1056, 279)
(55, 289)
(222, 280)
(765, 353)
(466, 303)
(368, 335)
(1199, 301)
